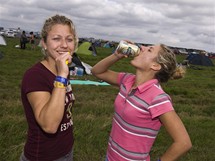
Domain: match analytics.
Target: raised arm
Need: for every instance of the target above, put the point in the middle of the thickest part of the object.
(48, 107)
(101, 69)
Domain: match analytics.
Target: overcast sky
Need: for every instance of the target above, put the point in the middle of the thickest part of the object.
(179, 23)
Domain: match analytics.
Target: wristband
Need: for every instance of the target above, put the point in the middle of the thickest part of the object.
(61, 80)
(159, 160)
(58, 84)
(117, 55)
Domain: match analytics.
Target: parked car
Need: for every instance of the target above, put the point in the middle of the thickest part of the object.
(183, 51)
(9, 34)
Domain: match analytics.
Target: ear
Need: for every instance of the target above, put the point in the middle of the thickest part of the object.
(156, 67)
(43, 43)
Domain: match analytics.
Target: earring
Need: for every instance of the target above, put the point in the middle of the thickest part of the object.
(43, 50)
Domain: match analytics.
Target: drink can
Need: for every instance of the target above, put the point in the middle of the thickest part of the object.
(128, 48)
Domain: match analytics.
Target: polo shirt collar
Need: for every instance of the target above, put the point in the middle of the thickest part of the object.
(143, 87)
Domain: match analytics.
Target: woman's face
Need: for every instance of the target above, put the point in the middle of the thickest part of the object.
(147, 57)
(60, 39)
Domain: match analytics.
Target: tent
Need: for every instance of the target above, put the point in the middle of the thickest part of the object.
(97, 43)
(109, 45)
(78, 65)
(2, 40)
(199, 59)
(87, 48)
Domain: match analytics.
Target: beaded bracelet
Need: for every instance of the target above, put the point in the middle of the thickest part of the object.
(59, 84)
(61, 80)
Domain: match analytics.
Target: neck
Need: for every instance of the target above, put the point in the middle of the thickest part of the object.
(50, 66)
(142, 78)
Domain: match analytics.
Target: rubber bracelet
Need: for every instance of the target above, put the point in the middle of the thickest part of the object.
(58, 84)
(61, 79)
(117, 55)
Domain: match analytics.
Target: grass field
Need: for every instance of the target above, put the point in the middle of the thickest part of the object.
(193, 97)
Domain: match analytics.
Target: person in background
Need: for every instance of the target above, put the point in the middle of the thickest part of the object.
(23, 40)
(32, 40)
(47, 95)
(142, 106)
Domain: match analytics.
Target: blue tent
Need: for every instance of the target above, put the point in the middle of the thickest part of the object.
(199, 59)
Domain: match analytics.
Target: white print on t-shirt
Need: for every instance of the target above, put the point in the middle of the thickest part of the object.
(65, 126)
(69, 99)
(69, 112)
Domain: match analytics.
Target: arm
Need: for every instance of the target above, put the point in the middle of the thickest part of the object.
(48, 107)
(101, 69)
(181, 140)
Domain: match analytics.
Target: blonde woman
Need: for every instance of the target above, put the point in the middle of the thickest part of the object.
(142, 106)
(47, 96)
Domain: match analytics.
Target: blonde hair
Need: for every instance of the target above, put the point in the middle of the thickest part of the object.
(58, 19)
(169, 68)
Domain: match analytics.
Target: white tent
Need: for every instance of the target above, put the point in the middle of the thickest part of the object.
(2, 40)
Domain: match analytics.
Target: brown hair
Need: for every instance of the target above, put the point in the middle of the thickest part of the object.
(169, 68)
(58, 19)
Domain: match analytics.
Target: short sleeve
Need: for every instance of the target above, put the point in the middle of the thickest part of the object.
(120, 78)
(161, 104)
(34, 80)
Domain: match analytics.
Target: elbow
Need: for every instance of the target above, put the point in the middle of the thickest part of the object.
(50, 129)
(187, 145)
(49, 126)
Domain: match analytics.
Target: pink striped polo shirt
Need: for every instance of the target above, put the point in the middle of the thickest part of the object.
(135, 122)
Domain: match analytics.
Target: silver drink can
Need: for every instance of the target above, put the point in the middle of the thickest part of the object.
(128, 49)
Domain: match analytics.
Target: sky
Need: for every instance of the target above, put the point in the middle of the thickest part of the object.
(177, 23)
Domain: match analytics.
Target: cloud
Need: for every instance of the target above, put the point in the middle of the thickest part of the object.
(180, 23)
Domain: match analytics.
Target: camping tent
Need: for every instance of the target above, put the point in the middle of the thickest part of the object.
(109, 45)
(2, 40)
(199, 59)
(78, 64)
(87, 48)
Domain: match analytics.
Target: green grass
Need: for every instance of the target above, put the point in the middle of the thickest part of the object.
(193, 99)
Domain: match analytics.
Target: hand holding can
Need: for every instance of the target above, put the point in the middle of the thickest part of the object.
(128, 49)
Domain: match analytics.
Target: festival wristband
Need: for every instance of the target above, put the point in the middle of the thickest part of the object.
(58, 84)
(61, 80)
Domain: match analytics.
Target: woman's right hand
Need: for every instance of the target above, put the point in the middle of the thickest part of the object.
(62, 63)
(119, 55)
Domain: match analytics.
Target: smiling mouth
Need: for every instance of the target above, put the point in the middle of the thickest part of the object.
(63, 52)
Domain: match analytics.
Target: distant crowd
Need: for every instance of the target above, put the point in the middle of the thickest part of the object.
(24, 39)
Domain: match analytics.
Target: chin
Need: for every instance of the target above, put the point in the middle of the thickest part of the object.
(132, 62)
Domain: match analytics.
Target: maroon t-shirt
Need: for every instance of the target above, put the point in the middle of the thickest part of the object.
(41, 146)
